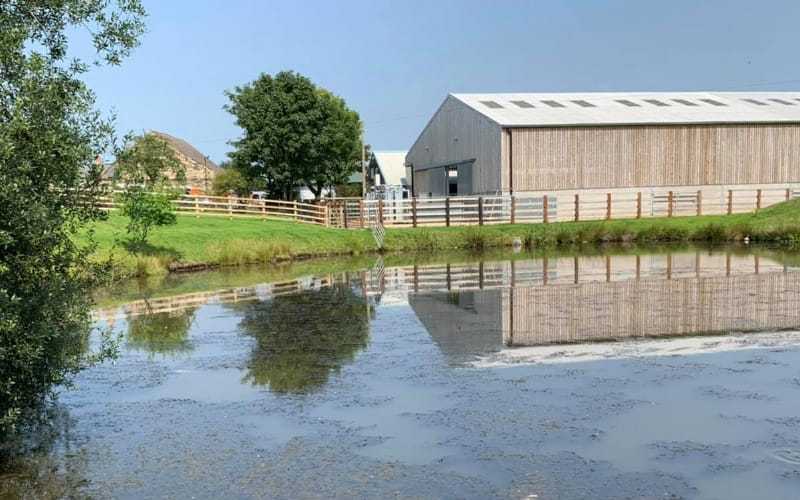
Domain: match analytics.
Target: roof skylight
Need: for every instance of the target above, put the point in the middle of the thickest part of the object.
(656, 102)
(523, 104)
(584, 104)
(628, 103)
(492, 104)
(713, 102)
(756, 102)
(782, 101)
(685, 102)
(553, 104)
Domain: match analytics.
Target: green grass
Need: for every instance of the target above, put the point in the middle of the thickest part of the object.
(223, 242)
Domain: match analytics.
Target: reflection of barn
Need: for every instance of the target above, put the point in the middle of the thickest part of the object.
(461, 323)
(537, 302)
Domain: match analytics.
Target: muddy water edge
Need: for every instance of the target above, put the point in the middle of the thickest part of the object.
(602, 373)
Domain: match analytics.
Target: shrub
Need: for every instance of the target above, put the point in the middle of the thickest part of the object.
(146, 211)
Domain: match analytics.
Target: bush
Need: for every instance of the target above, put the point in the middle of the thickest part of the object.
(146, 210)
(230, 180)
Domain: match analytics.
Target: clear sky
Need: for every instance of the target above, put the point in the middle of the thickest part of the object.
(394, 61)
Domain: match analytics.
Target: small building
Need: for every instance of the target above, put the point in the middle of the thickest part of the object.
(386, 171)
(540, 143)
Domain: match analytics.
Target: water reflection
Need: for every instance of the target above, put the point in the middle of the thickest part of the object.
(307, 328)
(475, 308)
(42, 464)
(165, 332)
(303, 337)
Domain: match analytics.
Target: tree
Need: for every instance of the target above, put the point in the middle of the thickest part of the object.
(50, 135)
(229, 180)
(339, 146)
(294, 134)
(148, 168)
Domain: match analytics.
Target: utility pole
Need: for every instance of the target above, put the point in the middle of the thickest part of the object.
(205, 175)
(363, 167)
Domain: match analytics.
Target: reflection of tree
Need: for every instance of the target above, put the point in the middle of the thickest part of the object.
(161, 332)
(302, 338)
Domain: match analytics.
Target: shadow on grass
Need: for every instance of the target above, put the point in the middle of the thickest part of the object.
(149, 250)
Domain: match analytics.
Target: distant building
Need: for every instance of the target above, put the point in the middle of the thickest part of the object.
(386, 170)
(200, 170)
(545, 143)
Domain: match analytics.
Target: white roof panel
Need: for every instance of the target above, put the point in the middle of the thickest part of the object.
(392, 165)
(635, 108)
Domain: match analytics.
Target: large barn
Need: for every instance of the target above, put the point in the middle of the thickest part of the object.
(539, 143)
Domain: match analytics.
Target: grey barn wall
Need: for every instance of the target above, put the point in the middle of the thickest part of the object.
(591, 157)
(478, 138)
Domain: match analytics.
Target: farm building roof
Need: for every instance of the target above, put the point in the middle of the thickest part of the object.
(635, 108)
(392, 165)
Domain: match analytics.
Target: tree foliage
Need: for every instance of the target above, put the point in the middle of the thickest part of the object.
(50, 134)
(294, 134)
(229, 180)
(148, 168)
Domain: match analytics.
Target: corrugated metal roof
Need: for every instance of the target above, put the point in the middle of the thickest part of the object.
(392, 165)
(635, 108)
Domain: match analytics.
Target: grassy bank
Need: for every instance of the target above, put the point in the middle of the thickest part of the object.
(219, 241)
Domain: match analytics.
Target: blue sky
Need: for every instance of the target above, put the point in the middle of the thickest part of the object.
(395, 61)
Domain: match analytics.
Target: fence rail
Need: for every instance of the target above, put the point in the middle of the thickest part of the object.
(556, 207)
(242, 207)
(356, 213)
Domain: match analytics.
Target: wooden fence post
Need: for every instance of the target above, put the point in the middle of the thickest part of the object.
(699, 202)
(380, 211)
(263, 209)
(197, 206)
(230, 207)
(577, 207)
(480, 210)
(639, 205)
(758, 199)
(608, 206)
(545, 215)
(344, 214)
(447, 211)
(730, 201)
(294, 210)
(327, 215)
(414, 211)
(788, 194)
(513, 209)
(361, 212)
(670, 199)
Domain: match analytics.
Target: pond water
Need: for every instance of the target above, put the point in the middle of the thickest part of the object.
(617, 374)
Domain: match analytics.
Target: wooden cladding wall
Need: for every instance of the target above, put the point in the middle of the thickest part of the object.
(653, 307)
(457, 134)
(619, 157)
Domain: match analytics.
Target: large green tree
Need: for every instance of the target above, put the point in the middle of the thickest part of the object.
(293, 134)
(50, 135)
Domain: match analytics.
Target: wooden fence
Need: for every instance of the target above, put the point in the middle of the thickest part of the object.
(355, 213)
(557, 207)
(229, 206)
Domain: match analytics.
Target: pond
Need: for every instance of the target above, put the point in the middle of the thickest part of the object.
(605, 374)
